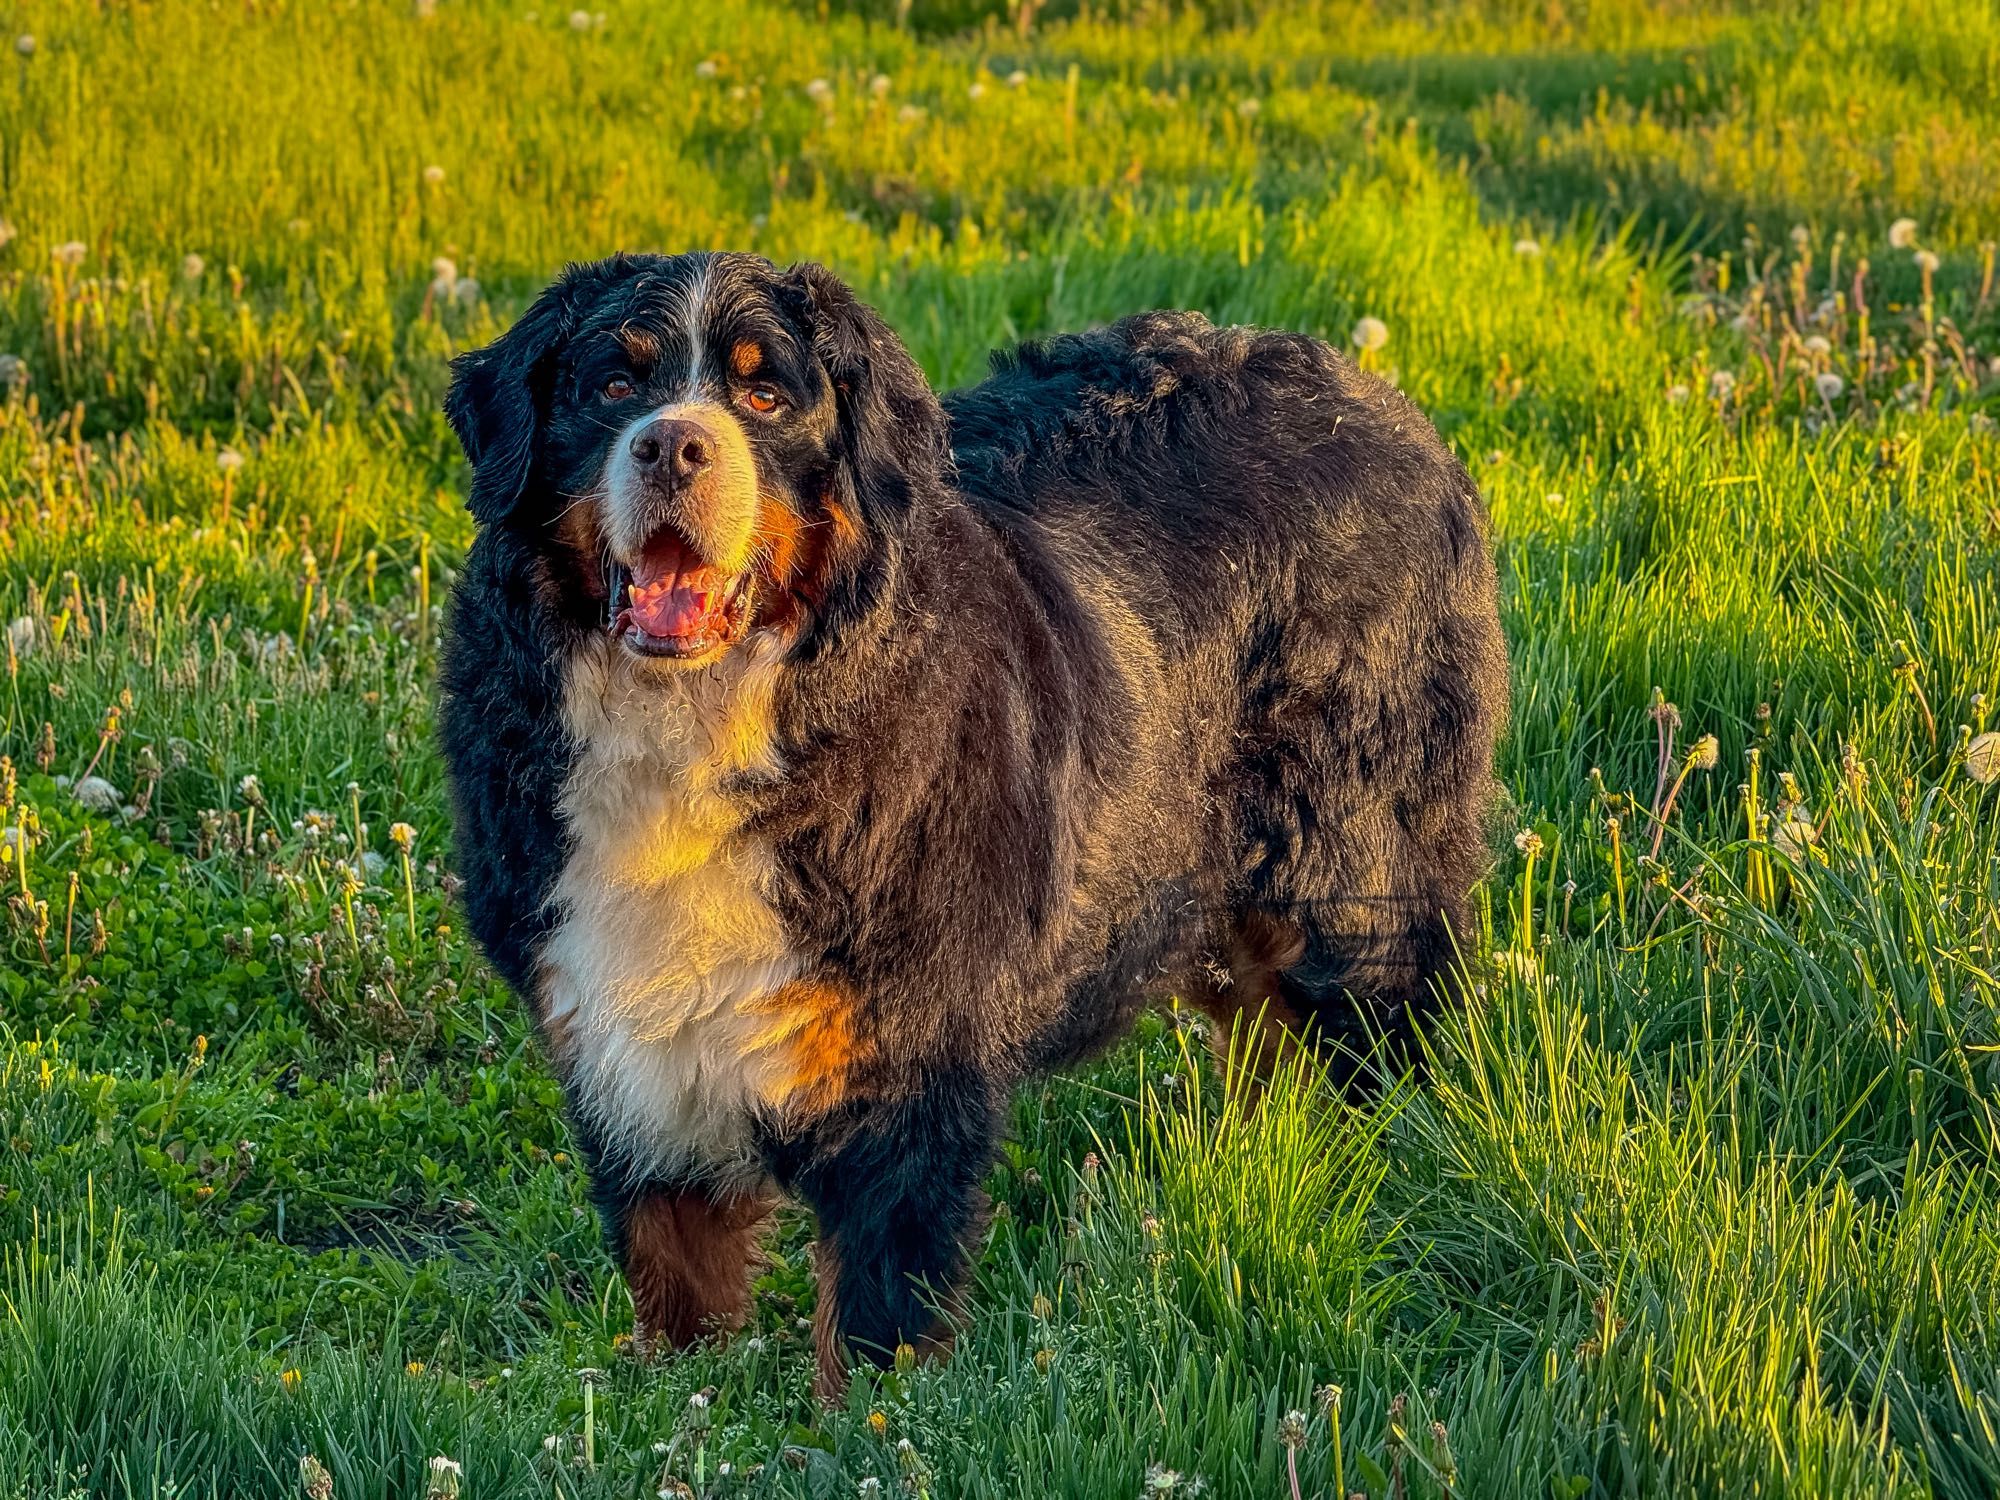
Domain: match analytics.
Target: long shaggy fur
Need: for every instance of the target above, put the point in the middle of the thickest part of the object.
(1164, 661)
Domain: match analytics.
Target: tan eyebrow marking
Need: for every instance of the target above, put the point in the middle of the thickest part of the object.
(746, 358)
(639, 343)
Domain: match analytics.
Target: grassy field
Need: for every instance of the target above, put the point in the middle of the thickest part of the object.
(1700, 1196)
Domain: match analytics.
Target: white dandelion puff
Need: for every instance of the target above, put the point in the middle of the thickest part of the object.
(70, 252)
(1982, 758)
(1722, 384)
(1017, 78)
(1925, 260)
(1903, 234)
(1369, 334)
(1794, 836)
(819, 90)
(229, 460)
(706, 68)
(97, 795)
(434, 174)
(1528, 247)
(192, 266)
(1829, 385)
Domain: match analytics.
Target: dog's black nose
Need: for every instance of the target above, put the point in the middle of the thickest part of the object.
(673, 448)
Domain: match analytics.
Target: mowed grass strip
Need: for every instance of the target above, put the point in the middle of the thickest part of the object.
(1698, 1197)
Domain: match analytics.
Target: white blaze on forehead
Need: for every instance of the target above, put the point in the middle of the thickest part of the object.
(720, 515)
(692, 309)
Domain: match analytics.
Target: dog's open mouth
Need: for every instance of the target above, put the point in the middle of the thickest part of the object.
(671, 602)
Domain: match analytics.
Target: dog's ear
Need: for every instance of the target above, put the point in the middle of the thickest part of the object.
(890, 418)
(495, 401)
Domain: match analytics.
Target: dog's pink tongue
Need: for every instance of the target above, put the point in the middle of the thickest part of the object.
(674, 593)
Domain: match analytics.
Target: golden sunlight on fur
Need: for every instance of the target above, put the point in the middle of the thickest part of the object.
(657, 979)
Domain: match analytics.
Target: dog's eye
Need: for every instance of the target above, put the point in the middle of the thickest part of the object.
(617, 388)
(761, 398)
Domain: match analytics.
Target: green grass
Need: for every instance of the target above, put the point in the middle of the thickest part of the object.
(1700, 1195)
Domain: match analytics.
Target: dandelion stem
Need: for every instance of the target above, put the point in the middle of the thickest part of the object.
(1528, 900)
(409, 896)
(1339, 1458)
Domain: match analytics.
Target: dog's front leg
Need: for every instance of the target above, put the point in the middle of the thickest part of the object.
(687, 1252)
(896, 1187)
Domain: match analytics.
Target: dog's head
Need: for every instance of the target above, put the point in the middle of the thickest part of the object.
(703, 446)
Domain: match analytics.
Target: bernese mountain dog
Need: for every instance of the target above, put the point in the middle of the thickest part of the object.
(829, 758)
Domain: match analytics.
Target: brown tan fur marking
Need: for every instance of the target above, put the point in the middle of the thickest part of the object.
(816, 1034)
(1259, 950)
(688, 1261)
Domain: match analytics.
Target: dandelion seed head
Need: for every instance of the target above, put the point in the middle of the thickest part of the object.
(879, 85)
(97, 795)
(1829, 385)
(1801, 238)
(1528, 247)
(1925, 261)
(579, 20)
(70, 253)
(192, 266)
(1722, 384)
(1017, 78)
(975, 92)
(25, 45)
(1819, 345)
(465, 291)
(819, 89)
(1903, 234)
(707, 68)
(909, 114)
(1249, 108)
(13, 371)
(1702, 755)
(1982, 758)
(229, 460)
(1370, 334)
(1795, 835)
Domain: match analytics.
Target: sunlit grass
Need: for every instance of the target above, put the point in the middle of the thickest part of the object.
(1697, 1197)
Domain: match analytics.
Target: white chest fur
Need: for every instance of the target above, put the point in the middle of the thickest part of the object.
(666, 941)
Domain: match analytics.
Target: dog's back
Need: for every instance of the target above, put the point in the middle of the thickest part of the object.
(1282, 547)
